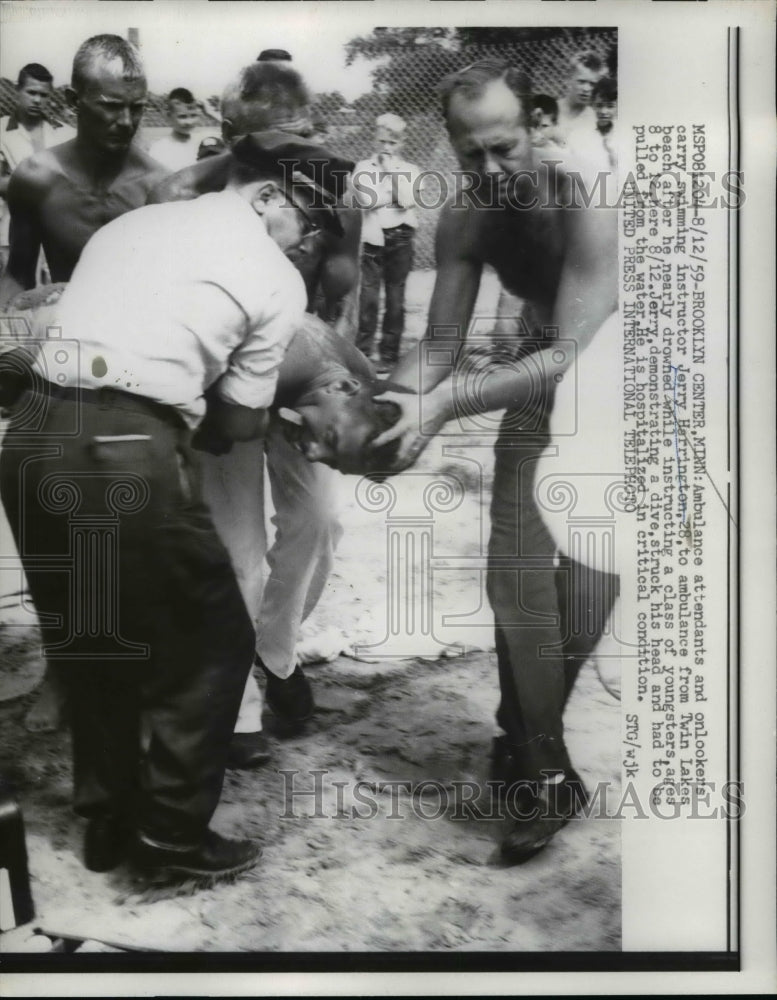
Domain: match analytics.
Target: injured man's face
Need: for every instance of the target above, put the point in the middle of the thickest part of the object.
(336, 422)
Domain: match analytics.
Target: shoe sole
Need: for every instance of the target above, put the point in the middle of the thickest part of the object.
(252, 765)
(518, 857)
(248, 765)
(169, 873)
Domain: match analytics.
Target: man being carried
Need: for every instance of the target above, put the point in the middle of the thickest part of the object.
(522, 219)
(272, 95)
(151, 634)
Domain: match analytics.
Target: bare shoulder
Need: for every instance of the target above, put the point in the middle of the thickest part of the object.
(460, 230)
(34, 177)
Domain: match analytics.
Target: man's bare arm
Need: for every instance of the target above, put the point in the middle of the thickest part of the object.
(27, 187)
(587, 295)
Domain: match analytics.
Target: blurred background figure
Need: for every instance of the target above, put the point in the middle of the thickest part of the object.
(384, 188)
(178, 149)
(605, 103)
(576, 119)
(544, 121)
(27, 130)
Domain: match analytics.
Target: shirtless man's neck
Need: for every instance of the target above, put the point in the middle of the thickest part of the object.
(94, 164)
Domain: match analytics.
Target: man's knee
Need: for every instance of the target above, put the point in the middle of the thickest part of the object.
(316, 524)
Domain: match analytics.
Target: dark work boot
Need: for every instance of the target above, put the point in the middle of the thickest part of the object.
(215, 857)
(536, 807)
(537, 812)
(291, 699)
(106, 842)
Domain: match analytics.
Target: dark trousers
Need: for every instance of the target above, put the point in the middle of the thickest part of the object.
(391, 264)
(548, 618)
(139, 608)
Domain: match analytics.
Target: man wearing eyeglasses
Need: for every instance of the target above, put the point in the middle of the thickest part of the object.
(306, 501)
(163, 313)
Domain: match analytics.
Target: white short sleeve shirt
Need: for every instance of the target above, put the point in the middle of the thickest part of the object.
(168, 298)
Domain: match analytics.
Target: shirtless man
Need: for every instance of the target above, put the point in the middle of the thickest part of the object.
(61, 196)
(562, 260)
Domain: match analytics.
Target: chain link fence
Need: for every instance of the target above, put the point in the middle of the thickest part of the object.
(350, 129)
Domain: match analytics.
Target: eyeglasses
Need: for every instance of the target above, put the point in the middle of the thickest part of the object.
(313, 228)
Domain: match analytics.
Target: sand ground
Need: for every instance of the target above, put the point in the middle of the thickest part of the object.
(355, 868)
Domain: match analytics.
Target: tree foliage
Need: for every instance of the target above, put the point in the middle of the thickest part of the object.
(393, 41)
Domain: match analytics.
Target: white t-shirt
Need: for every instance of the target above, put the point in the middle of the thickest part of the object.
(167, 298)
(372, 183)
(175, 154)
(580, 134)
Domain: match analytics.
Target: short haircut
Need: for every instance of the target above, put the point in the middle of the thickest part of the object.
(473, 80)
(274, 55)
(605, 90)
(545, 105)
(377, 462)
(588, 59)
(267, 93)
(33, 71)
(393, 123)
(107, 49)
(182, 95)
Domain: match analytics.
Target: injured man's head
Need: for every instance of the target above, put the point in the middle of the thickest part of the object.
(327, 403)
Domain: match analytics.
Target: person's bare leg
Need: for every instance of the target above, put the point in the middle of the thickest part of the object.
(47, 712)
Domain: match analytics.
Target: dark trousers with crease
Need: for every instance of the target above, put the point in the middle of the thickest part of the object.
(390, 264)
(549, 613)
(139, 608)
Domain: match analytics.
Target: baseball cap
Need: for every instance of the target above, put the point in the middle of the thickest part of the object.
(300, 164)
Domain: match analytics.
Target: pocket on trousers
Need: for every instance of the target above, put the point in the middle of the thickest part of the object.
(123, 470)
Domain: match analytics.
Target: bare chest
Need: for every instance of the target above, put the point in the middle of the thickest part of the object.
(73, 211)
(526, 249)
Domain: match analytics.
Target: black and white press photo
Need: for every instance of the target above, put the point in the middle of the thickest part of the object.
(370, 478)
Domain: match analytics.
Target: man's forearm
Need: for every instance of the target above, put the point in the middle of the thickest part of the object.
(499, 388)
